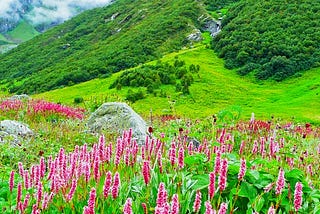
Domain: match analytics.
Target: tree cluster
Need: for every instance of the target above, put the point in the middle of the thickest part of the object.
(274, 39)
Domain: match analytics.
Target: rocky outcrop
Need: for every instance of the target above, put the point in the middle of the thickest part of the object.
(13, 132)
(116, 117)
(195, 36)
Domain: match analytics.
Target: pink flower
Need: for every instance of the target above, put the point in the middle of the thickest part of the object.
(26, 201)
(197, 202)
(209, 209)
(268, 187)
(223, 175)
(45, 201)
(160, 161)
(172, 154)
(242, 170)
(255, 147)
(42, 167)
(21, 170)
(116, 185)
(96, 165)
(35, 209)
(181, 157)
(92, 199)
(128, 207)
(217, 163)
(262, 146)
(271, 210)
(242, 145)
(144, 206)
(72, 190)
(211, 187)
(298, 196)
(146, 172)
(175, 204)
(280, 182)
(11, 181)
(39, 193)
(223, 208)
(107, 184)
(19, 192)
(162, 197)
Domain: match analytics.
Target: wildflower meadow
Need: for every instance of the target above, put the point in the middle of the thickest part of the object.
(184, 166)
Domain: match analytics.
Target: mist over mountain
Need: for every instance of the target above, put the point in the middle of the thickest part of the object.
(42, 13)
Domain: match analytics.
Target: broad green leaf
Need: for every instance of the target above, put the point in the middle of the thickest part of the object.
(248, 190)
(259, 204)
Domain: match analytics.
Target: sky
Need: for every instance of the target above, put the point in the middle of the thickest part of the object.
(60, 10)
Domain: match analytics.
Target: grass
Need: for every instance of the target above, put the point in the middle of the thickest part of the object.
(215, 89)
(23, 32)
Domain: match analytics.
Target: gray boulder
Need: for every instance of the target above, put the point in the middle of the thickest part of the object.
(14, 132)
(8, 138)
(15, 128)
(115, 117)
(20, 97)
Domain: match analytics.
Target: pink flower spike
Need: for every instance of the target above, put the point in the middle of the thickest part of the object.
(162, 195)
(297, 196)
(243, 168)
(175, 204)
(72, 190)
(181, 157)
(280, 182)
(146, 172)
(211, 187)
(197, 202)
(21, 170)
(223, 175)
(116, 185)
(128, 207)
(144, 207)
(26, 201)
(209, 209)
(271, 210)
(223, 208)
(92, 200)
(11, 181)
(107, 184)
(19, 192)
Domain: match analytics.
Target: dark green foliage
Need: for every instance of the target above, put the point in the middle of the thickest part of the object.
(78, 100)
(273, 39)
(218, 4)
(100, 42)
(134, 96)
(152, 76)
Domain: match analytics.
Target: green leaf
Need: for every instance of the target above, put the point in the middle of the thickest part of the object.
(248, 191)
(295, 173)
(259, 204)
(195, 159)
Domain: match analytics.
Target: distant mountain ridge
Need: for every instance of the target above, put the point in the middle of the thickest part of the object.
(100, 42)
(21, 20)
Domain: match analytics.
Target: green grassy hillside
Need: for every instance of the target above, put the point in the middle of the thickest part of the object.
(100, 42)
(272, 39)
(215, 89)
(23, 32)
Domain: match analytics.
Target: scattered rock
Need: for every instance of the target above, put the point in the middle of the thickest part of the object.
(15, 128)
(8, 138)
(19, 97)
(14, 132)
(195, 36)
(117, 117)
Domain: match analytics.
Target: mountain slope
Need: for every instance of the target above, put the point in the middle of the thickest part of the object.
(272, 39)
(100, 42)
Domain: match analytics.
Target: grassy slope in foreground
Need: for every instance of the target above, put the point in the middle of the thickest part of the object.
(216, 89)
